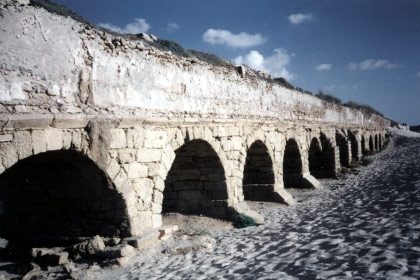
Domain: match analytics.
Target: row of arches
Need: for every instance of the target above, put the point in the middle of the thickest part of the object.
(63, 193)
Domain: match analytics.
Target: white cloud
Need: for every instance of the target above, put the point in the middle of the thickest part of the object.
(299, 18)
(139, 25)
(274, 64)
(322, 67)
(225, 37)
(371, 64)
(418, 74)
(172, 27)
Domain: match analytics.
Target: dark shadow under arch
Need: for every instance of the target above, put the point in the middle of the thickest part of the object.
(196, 182)
(316, 158)
(258, 180)
(321, 158)
(292, 165)
(364, 151)
(59, 195)
(354, 145)
(376, 142)
(328, 154)
(371, 147)
(343, 146)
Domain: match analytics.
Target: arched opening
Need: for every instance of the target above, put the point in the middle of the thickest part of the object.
(196, 182)
(328, 155)
(364, 151)
(354, 145)
(316, 158)
(258, 181)
(56, 196)
(343, 146)
(380, 141)
(292, 165)
(376, 143)
(371, 143)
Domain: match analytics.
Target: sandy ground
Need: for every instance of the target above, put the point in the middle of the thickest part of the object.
(362, 226)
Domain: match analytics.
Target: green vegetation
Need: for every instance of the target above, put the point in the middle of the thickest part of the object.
(243, 221)
(328, 97)
(178, 50)
(364, 108)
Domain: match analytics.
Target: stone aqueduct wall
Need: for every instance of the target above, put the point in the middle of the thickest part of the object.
(151, 132)
(137, 158)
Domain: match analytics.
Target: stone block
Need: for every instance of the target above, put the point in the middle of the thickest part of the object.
(155, 139)
(167, 163)
(89, 248)
(67, 137)
(233, 155)
(234, 131)
(39, 142)
(118, 139)
(54, 139)
(121, 250)
(141, 223)
(236, 143)
(168, 229)
(157, 196)
(29, 121)
(123, 261)
(149, 155)
(70, 121)
(220, 131)
(144, 188)
(23, 143)
(135, 170)
(159, 183)
(113, 168)
(50, 256)
(127, 155)
(121, 179)
(144, 240)
(6, 137)
(156, 220)
(76, 139)
(8, 154)
(156, 208)
(138, 137)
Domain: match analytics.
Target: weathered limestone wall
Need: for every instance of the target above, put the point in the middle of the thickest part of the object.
(164, 133)
(48, 58)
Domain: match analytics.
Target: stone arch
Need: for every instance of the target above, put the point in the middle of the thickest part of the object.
(258, 175)
(380, 141)
(376, 142)
(292, 165)
(354, 145)
(196, 182)
(59, 195)
(343, 146)
(371, 146)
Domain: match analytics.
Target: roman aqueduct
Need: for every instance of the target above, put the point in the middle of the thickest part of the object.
(101, 133)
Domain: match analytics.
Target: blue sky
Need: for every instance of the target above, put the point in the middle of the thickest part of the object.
(359, 50)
